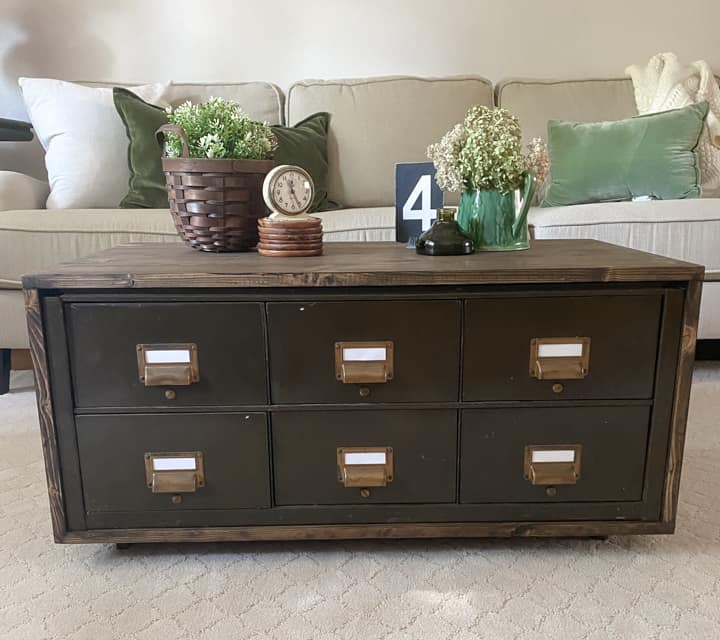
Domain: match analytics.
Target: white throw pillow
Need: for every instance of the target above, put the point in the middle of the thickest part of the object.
(84, 139)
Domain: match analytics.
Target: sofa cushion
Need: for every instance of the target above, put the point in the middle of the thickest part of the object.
(682, 229)
(535, 102)
(19, 191)
(262, 101)
(653, 155)
(32, 240)
(379, 122)
(84, 139)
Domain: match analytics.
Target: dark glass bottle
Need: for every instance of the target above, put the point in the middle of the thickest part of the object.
(445, 237)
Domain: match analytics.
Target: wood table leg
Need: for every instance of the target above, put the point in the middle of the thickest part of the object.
(4, 371)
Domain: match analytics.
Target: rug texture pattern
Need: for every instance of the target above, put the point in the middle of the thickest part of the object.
(626, 588)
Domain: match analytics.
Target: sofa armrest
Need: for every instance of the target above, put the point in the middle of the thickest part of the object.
(19, 192)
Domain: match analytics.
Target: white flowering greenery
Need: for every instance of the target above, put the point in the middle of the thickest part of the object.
(219, 129)
(484, 152)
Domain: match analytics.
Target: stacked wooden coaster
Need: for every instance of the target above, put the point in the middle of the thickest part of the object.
(290, 237)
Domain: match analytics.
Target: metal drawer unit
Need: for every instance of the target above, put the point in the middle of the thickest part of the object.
(367, 457)
(167, 354)
(148, 463)
(561, 347)
(394, 351)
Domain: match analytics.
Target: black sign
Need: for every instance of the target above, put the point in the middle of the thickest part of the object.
(417, 198)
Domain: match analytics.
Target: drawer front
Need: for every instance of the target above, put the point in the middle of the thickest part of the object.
(419, 341)
(574, 454)
(174, 462)
(228, 362)
(316, 454)
(554, 348)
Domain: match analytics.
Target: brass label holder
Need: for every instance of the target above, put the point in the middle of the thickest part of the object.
(365, 466)
(559, 358)
(175, 472)
(364, 362)
(553, 464)
(161, 365)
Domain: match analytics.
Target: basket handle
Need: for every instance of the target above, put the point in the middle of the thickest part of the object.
(173, 128)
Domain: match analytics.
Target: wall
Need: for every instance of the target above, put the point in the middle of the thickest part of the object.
(285, 40)
(282, 41)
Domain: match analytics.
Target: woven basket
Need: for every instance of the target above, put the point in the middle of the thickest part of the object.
(215, 203)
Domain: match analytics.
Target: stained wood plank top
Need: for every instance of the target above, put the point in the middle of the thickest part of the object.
(156, 265)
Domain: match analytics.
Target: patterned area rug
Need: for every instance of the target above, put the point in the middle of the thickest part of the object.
(631, 588)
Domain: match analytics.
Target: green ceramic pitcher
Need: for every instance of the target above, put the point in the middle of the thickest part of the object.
(497, 221)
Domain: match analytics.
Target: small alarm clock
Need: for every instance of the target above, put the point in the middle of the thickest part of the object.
(288, 191)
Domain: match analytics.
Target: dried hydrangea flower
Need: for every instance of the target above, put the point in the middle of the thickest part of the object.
(446, 157)
(484, 152)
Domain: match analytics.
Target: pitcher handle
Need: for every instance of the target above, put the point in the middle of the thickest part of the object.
(528, 193)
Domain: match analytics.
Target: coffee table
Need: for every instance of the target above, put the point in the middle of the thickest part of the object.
(368, 392)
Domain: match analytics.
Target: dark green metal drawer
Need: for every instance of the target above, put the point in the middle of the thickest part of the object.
(561, 347)
(223, 344)
(573, 454)
(338, 352)
(145, 463)
(364, 457)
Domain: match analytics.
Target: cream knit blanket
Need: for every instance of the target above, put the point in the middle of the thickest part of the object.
(665, 83)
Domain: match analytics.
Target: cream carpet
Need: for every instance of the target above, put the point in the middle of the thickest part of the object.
(631, 588)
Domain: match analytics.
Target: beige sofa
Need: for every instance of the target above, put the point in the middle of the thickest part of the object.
(375, 123)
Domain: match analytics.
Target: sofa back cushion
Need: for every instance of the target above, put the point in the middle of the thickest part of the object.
(262, 101)
(378, 122)
(535, 102)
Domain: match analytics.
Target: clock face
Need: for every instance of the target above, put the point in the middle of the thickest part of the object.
(289, 190)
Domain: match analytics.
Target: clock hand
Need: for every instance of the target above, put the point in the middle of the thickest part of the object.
(292, 192)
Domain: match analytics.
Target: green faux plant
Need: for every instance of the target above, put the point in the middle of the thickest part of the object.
(219, 129)
(485, 153)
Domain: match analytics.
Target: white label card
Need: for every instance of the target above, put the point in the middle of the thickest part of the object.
(369, 457)
(375, 354)
(565, 350)
(168, 356)
(174, 464)
(559, 455)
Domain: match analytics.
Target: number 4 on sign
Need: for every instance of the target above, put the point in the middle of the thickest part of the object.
(423, 193)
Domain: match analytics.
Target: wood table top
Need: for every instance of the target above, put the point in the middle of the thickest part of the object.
(352, 264)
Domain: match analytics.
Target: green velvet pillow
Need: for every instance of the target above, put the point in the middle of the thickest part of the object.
(147, 181)
(304, 145)
(651, 155)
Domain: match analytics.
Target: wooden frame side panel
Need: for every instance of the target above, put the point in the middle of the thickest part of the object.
(681, 401)
(48, 433)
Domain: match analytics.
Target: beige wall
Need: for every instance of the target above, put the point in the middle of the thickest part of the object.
(284, 40)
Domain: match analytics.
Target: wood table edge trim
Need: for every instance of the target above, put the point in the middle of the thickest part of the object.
(158, 265)
(48, 434)
(368, 531)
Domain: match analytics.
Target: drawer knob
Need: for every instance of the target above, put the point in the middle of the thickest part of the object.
(559, 358)
(364, 362)
(174, 472)
(553, 464)
(168, 364)
(365, 466)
